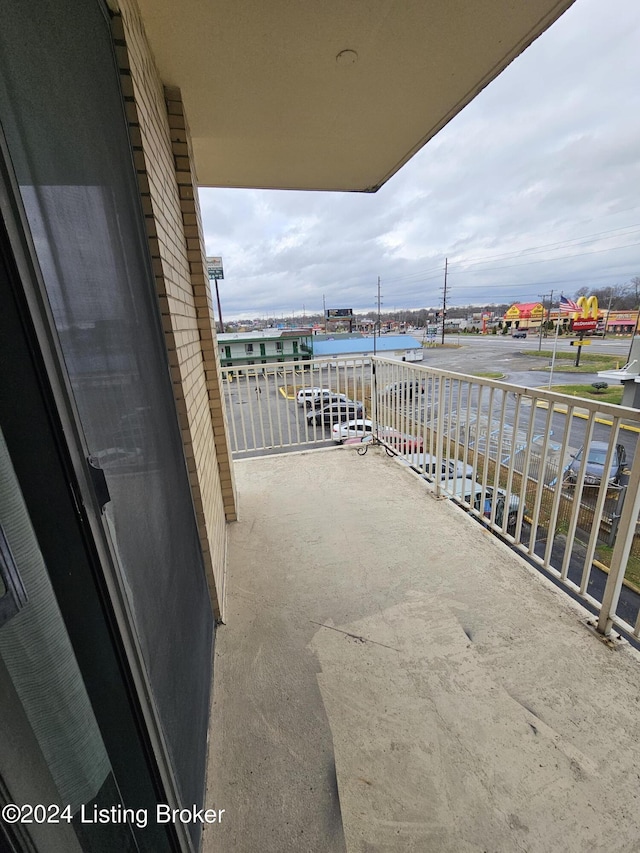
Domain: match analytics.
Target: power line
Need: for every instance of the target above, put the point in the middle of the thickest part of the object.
(464, 265)
(559, 244)
(583, 279)
(551, 260)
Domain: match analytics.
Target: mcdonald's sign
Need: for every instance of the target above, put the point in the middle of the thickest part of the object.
(588, 320)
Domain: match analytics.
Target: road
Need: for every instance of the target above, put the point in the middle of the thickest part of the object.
(498, 352)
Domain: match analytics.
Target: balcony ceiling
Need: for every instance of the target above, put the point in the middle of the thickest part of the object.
(338, 95)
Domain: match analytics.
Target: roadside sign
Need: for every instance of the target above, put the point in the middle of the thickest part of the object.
(584, 325)
(214, 268)
(579, 343)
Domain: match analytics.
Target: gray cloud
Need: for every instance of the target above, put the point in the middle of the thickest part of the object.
(517, 191)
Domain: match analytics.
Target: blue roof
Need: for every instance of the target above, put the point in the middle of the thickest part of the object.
(356, 345)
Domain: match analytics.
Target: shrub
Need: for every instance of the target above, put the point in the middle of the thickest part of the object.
(599, 387)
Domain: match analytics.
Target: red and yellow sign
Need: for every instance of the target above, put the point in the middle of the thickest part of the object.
(587, 320)
(589, 305)
(525, 311)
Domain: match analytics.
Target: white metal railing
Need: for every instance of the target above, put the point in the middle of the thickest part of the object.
(502, 451)
(263, 411)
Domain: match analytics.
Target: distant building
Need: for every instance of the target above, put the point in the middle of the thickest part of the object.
(621, 322)
(524, 315)
(268, 346)
(400, 347)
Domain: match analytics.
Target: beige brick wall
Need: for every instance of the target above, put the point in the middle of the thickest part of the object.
(166, 179)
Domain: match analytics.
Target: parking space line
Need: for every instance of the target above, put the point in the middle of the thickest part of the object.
(542, 404)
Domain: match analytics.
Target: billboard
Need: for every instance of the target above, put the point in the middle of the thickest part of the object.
(339, 313)
(214, 268)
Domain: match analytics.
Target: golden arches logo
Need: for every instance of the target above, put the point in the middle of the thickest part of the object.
(589, 306)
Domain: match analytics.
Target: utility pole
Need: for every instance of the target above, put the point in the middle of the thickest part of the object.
(324, 314)
(543, 296)
(444, 298)
(606, 321)
(377, 323)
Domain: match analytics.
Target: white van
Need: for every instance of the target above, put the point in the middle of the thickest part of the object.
(308, 396)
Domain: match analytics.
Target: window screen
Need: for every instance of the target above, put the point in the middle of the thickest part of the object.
(70, 150)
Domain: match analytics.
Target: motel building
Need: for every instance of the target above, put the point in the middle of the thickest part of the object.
(268, 346)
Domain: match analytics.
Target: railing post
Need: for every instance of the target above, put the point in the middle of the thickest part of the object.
(621, 549)
(374, 396)
(615, 517)
(440, 435)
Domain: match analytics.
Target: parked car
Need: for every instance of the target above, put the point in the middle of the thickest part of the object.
(596, 458)
(425, 464)
(351, 429)
(519, 333)
(472, 493)
(328, 399)
(308, 395)
(402, 442)
(335, 412)
(406, 390)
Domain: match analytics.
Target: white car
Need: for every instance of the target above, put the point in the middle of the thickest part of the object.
(308, 396)
(351, 429)
(425, 464)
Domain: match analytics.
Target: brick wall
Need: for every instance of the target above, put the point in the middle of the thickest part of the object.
(168, 190)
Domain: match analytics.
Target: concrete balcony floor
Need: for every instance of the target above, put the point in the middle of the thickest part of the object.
(392, 677)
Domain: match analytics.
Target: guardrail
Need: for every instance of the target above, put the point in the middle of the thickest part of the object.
(263, 410)
(503, 452)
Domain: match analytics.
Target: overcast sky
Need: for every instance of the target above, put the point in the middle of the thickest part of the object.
(534, 186)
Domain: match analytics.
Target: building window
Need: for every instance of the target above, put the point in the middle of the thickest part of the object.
(227, 352)
(281, 359)
(262, 349)
(264, 361)
(295, 347)
(279, 346)
(250, 362)
(248, 348)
